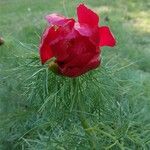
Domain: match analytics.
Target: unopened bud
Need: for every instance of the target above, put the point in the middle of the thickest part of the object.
(53, 66)
(1, 41)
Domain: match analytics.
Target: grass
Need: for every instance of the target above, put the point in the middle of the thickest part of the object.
(31, 119)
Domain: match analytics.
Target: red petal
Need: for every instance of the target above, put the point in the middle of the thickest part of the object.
(83, 57)
(45, 49)
(93, 63)
(87, 16)
(95, 36)
(83, 29)
(65, 32)
(106, 37)
(55, 19)
(61, 50)
(80, 65)
(53, 42)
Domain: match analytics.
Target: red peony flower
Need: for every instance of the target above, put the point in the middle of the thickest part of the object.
(75, 44)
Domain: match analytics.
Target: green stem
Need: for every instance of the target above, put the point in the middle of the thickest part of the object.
(86, 126)
(84, 122)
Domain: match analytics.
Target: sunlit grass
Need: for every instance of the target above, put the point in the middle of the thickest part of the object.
(142, 21)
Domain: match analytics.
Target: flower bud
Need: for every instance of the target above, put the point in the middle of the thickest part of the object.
(53, 66)
(1, 41)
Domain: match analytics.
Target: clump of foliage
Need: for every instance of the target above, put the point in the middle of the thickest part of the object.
(38, 110)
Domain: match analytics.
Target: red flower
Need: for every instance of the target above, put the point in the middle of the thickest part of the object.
(75, 45)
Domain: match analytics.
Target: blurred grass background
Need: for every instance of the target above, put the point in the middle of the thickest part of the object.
(21, 24)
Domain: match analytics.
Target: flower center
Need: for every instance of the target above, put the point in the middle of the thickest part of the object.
(56, 27)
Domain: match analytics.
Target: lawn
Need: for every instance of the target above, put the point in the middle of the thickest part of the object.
(30, 119)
